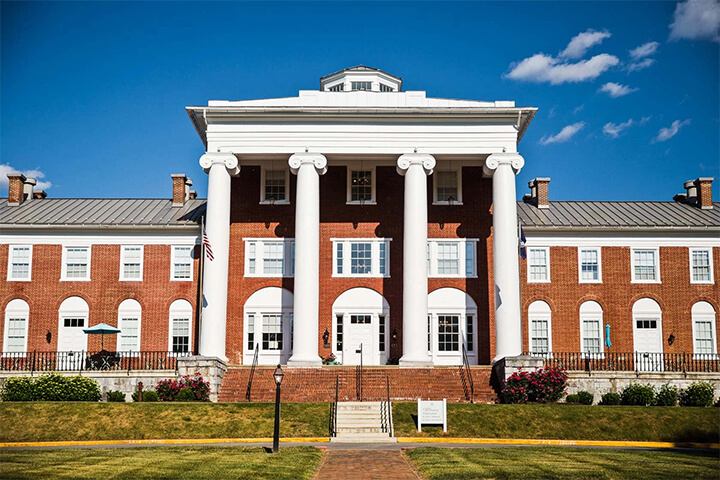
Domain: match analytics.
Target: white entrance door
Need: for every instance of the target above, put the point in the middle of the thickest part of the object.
(72, 341)
(360, 331)
(648, 345)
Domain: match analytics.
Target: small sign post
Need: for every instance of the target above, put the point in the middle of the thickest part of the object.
(432, 413)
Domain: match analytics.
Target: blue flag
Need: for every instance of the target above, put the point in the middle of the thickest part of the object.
(523, 250)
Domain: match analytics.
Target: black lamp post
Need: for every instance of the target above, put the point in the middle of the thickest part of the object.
(278, 376)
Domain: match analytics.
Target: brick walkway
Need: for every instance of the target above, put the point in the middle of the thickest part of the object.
(365, 465)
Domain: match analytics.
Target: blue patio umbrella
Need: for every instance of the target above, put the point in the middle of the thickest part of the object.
(102, 329)
(608, 343)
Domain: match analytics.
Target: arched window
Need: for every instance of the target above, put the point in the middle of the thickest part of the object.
(452, 323)
(268, 325)
(539, 328)
(129, 316)
(73, 315)
(181, 313)
(703, 326)
(17, 314)
(591, 328)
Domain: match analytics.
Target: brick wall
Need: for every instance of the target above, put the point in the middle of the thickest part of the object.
(616, 294)
(103, 294)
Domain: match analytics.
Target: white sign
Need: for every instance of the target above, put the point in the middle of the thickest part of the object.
(432, 413)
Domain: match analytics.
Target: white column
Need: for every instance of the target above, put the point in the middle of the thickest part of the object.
(415, 167)
(219, 167)
(306, 299)
(508, 321)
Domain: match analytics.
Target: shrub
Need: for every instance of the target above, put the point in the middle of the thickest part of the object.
(637, 394)
(150, 396)
(667, 396)
(586, 398)
(169, 388)
(572, 398)
(83, 389)
(185, 395)
(18, 389)
(610, 399)
(115, 396)
(698, 394)
(543, 386)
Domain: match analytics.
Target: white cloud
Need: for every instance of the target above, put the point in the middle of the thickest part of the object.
(565, 134)
(641, 65)
(696, 20)
(544, 68)
(614, 130)
(644, 50)
(579, 109)
(36, 174)
(667, 133)
(616, 90)
(582, 42)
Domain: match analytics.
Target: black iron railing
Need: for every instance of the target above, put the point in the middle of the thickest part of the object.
(334, 409)
(252, 372)
(386, 410)
(78, 361)
(466, 377)
(359, 376)
(633, 361)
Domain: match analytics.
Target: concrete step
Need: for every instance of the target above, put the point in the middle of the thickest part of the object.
(383, 438)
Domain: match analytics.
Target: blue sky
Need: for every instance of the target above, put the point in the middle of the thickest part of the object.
(93, 93)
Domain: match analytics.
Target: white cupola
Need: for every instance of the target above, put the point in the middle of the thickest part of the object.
(360, 78)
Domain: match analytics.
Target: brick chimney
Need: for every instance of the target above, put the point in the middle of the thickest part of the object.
(181, 189)
(539, 192)
(16, 188)
(703, 189)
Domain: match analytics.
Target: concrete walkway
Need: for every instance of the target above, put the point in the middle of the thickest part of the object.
(366, 465)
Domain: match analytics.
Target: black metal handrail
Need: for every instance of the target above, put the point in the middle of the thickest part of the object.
(79, 361)
(359, 376)
(252, 372)
(387, 417)
(334, 409)
(467, 377)
(683, 362)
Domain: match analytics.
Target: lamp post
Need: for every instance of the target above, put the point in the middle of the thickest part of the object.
(278, 376)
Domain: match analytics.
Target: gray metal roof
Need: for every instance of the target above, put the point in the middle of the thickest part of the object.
(619, 215)
(102, 212)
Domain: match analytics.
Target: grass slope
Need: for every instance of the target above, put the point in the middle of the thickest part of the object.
(161, 462)
(561, 464)
(57, 421)
(567, 422)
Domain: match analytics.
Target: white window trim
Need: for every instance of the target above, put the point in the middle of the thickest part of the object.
(374, 256)
(712, 265)
(462, 315)
(127, 313)
(180, 315)
(259, 265)
(547, 256)
(599, 258)
(713, 329)
(458, 200)
(355, 167)
(172, 264)
(540, 316)
(10, 278)
(657, 265)
(17, 313)
(462, 254)
(600, 355)
(64, 277)
(263, 201)
(122, 263)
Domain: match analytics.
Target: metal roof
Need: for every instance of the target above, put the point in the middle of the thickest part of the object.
(101, 212)
(619, 215)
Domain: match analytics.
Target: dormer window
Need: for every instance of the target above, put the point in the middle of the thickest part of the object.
(386, 88)
(364, 86)
(337, 88)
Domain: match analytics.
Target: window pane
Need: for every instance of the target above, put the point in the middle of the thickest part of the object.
(251, 332)
(16, 334)
(360, 258)
(645, 265)
(273, 258)
(180, 335)
(251, 257)
(339, 333)
(446, 186)
(76, 263)
(339, 258)
(132, 259)
(129, 334)
(448, 259)
(448, 333)
(469, 258)
(538, 264)
(539, 340)
(272, 335)
(701, 265)
(20, 263)
(381, 333)
(469, 333)
(275, 185)
(382, 259)
(182, 262)
(589, 265)
(591, 335)
(703, 336)
(361, 185)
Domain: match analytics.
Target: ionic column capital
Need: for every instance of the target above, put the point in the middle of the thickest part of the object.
(405, 161)
(318, 160)
(497, 159)
(228, 159)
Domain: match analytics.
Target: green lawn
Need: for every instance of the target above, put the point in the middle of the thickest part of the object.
(567, 422)
(57, 421)
(561, 463)
(215, 463)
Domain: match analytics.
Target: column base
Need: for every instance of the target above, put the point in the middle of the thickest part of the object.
(304, 362)
(416, 362)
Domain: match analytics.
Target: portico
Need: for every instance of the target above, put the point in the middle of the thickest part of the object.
(366, 133)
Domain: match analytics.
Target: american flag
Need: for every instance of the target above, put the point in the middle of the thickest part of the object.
(208, 248)
(523, 240)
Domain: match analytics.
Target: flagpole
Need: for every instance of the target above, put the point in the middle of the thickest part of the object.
(519, 236)
(199, 308)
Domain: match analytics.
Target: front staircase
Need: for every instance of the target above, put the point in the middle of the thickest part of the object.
(361, 422)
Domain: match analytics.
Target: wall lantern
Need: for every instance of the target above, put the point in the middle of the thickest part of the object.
(48, 336)
(394, 335)
(671, 339)
(326, 338)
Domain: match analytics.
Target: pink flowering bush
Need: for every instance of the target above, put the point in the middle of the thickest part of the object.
(542, 386)
(169, 388)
